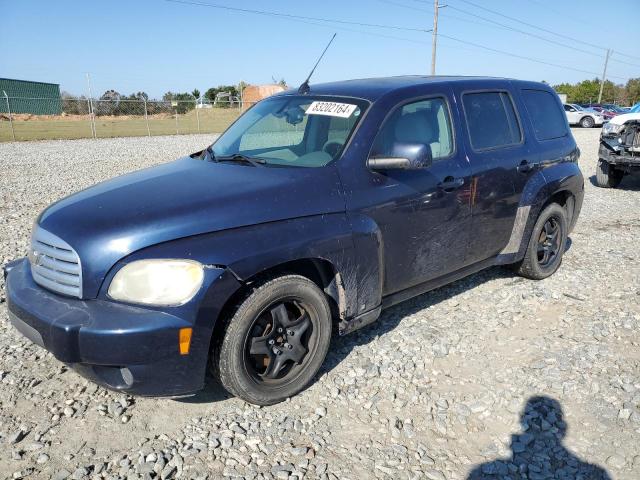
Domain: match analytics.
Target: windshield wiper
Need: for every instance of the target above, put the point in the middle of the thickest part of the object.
(240, 158)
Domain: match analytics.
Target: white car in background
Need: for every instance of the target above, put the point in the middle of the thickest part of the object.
(577, 115)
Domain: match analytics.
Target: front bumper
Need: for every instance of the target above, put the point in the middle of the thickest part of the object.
(122, 347)
(621, 158)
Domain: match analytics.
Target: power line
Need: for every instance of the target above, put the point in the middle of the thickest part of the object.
(311, 20)
(411, 7)
(523, 57)
(502, 26)
(298, 17)
(469, 20)
(566, 37)
(507, 27)
(524, 32)
(573, 16)
(363, 32)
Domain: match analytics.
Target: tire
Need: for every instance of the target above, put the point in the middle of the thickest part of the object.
(607, 176)
(531, 266)
(262, 366)
(587, 122)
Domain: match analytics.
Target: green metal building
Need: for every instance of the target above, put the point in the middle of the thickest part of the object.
(38, 98)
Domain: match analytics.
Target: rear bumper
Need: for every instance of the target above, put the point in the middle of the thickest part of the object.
(119, 346)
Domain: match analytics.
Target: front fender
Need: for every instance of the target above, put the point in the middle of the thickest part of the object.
(247, 251)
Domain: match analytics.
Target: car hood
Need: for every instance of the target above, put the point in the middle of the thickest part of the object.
(189, 196)
(625, 117)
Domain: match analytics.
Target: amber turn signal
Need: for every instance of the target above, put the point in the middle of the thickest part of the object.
(184, 340)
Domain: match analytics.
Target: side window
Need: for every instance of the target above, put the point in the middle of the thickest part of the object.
(547, 119)
(567, 108)
(425, 121)
(492, 120)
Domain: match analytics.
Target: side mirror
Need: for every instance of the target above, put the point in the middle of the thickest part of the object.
(403, 156)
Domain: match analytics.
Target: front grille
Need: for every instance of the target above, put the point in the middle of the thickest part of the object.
(54, 264)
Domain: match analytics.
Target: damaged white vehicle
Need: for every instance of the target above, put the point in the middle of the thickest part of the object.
(619, 152)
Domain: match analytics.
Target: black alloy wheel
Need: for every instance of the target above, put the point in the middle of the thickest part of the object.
(549, 242)
(279, 341)
(275, 341)
(546, 244)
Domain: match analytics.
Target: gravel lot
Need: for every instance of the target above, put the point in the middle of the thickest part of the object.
(435, 389)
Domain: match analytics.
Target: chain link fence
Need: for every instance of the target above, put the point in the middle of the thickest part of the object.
(80, 117)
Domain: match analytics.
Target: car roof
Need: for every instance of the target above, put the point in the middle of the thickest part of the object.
(374, 88)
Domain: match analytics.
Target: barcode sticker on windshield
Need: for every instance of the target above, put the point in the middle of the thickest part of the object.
(332, 109)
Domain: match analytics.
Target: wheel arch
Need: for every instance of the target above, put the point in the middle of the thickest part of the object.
(562, 184)
(320, 271)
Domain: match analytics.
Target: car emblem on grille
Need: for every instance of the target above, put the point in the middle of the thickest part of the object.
(37, 258)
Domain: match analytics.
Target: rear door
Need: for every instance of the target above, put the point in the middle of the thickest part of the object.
(500, 166)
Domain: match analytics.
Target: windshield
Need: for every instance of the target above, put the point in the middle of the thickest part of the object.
(635, 108)
(297, 131)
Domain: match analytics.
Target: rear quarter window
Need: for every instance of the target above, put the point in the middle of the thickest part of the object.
(548, 120)
(491, 119)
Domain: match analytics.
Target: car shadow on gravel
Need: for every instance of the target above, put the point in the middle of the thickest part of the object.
(537, 451)
(629, 182)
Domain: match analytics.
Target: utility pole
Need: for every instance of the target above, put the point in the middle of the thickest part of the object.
(91, 118)
(434, 37)
(604, 73)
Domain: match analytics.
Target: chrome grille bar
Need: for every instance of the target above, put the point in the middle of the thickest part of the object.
(54, 264)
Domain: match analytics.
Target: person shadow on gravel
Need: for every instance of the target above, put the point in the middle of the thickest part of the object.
(538, 453)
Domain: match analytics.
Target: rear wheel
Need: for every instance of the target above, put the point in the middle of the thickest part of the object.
(276, 341)
(608, 176)
(587, 122)
(547, 244)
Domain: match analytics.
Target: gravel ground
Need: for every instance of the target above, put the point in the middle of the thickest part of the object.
(493, 374)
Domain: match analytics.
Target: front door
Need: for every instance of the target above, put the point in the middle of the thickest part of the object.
(424, 214)
(573, 115)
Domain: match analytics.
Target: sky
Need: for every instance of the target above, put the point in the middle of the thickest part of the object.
(158, 46)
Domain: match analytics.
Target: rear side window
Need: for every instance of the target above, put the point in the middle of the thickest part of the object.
(547, 118)
(492, 120)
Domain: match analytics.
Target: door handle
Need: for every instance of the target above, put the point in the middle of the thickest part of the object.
(526, 167)
(450, 184)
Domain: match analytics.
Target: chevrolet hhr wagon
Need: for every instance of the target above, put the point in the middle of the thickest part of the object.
(314, 211)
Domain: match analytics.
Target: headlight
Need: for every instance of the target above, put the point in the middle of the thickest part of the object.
(610, 128)
(157, 282)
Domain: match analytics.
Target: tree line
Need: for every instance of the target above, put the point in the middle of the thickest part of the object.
(587, 91)
(111, 102)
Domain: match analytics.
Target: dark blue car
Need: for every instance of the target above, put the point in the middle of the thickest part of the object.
(310, 214)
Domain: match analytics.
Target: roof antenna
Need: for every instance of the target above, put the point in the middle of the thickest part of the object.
(304, 88)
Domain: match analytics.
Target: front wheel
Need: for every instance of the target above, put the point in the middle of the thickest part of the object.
(547, 244)
(607, 176)
(276, 341)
